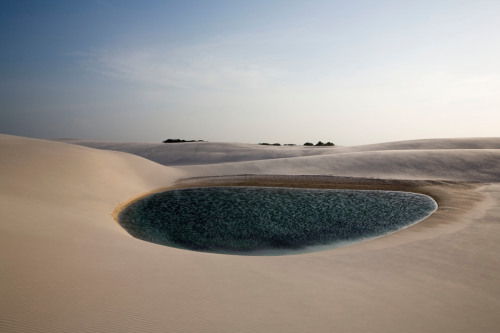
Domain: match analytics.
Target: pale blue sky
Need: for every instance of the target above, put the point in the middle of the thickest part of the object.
(350, 72)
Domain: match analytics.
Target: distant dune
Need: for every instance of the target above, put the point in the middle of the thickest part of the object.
(67, 266)
(447, 159)
(195, 153)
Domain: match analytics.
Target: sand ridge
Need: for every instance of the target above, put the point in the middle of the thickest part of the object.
(68, 266)
(202, 153)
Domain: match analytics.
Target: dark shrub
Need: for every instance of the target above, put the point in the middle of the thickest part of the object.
(179, 140)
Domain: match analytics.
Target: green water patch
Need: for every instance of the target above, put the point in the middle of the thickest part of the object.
(266, 220)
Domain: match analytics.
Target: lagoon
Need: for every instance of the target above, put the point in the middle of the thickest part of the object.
(268, 220)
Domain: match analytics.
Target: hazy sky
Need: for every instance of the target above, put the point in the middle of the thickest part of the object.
(350, 72)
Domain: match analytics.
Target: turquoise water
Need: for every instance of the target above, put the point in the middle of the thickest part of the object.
(253, 220)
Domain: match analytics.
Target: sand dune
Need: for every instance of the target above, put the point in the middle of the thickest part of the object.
(193, 153)
(67, 266)
(427, 144)
(456, 164)
(196, 153)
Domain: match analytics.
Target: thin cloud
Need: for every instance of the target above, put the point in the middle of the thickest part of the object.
(217, 64)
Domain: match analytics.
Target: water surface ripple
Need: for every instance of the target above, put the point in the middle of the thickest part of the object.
(266, 220)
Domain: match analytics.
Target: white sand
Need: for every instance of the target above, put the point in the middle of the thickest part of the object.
(67, 266)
